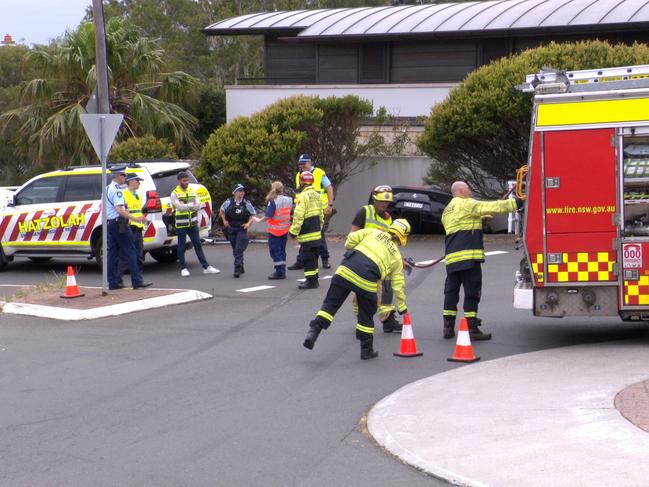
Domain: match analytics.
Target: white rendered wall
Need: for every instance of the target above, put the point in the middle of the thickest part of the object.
(401, 100)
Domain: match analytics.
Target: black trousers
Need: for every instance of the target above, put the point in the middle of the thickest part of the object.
(310, 251)
(469, 279)
(138, 242)
(323, 250)
(336, 296)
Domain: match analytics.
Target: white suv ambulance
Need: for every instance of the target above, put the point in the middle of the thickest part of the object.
(58, 214)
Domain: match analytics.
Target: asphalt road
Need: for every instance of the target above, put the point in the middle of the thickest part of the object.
(222, 393)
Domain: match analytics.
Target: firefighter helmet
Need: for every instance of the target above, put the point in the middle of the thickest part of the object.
(306, 177)
(400, 228)
(383, 193)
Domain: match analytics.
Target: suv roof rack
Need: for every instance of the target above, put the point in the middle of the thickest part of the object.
(134, 163)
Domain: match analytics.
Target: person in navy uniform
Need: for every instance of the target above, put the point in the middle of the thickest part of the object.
(119, 234)
(237, 213)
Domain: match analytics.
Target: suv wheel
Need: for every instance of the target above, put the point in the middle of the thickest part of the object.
(165, 255)
(3, 259)
(97, 250)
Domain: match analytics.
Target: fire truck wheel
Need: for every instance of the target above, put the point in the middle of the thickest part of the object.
(165, 255)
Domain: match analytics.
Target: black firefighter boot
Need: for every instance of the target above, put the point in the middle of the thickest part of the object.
(367, 350)
(312, 335)
(474, 331)
(391, 324)
(310, 283)
(449, 327)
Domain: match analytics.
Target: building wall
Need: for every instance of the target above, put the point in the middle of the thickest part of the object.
(354, 193)
(401, 100)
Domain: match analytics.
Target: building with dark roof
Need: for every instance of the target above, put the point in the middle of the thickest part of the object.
(417, 52)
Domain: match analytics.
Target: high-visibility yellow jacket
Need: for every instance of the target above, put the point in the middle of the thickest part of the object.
(318, 174)
(134, 207)
(382, 254)
(308, 216)
(374, 220)
(462, 220)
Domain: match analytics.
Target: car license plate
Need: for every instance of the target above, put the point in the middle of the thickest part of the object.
(410, 204)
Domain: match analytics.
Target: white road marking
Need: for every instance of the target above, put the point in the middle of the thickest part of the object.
(253, 289)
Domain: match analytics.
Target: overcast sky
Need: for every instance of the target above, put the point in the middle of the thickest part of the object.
(37, 21)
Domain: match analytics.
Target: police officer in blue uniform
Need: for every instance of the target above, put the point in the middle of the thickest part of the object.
(119, 236)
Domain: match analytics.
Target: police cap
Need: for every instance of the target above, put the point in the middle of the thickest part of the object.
(118, 170)
(133, 177)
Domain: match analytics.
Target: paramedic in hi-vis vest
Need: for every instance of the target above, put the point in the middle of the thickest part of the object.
(376, 216)
(462, 220)
(186, 205)
(278, 216)
(323, 186)
(372, 256)
(134, 207)
(307, 228)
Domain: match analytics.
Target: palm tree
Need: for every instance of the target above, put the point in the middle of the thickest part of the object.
(48, 123)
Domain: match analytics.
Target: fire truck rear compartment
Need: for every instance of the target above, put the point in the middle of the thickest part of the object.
(558, 302)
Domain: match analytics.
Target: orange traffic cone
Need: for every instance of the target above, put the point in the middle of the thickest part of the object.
(463, 349)
(71, 288)
(408, 347)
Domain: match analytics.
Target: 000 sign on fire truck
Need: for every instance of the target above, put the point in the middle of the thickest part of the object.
(586, 223)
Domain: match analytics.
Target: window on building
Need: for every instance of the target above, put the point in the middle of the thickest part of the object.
(373, 62)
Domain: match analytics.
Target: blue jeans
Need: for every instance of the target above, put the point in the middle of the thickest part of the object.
(121, 245)
(239, 241)
(194, 236)
(277, 249)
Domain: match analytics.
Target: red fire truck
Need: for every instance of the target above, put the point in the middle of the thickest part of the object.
(586, 220)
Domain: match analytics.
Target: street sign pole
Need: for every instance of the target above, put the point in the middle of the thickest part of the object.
(103, 107)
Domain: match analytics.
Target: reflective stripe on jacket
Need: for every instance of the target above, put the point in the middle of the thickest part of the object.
(462, 220)
(374, 220)
(308, 216)
(185, 219)
(379, 247)
(280, 222)
(318, 174)
(134, 207)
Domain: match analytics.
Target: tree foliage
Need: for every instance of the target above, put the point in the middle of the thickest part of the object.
(263, 147)
(47, 122)
(480, 133)
(147, 147)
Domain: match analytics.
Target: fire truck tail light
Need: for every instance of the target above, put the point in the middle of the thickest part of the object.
(555, 258)
(153, 203)
(631, 274)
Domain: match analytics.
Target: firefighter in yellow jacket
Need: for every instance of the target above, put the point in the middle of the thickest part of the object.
(376, 215)
(373, 255)
(308, 217)
(462, 220)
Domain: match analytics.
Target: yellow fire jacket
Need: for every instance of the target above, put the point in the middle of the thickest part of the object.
(378, 246)
(462, 220)
(308, 216)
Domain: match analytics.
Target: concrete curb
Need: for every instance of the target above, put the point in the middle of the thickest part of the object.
(67, 314)
(536, 419)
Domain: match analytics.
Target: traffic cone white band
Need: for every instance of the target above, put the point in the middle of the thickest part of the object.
(70, 281)
(406, 333)
(463, 339)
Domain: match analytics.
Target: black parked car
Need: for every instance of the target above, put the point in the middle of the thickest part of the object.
(422, 206)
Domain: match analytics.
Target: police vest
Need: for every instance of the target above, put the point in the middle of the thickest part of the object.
(374, 220)
(280, 222)
(185, 219)
(318, 174)
(134, 207)
(237, 213)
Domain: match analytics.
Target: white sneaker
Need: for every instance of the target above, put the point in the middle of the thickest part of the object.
(211, 270)
(184, 272)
